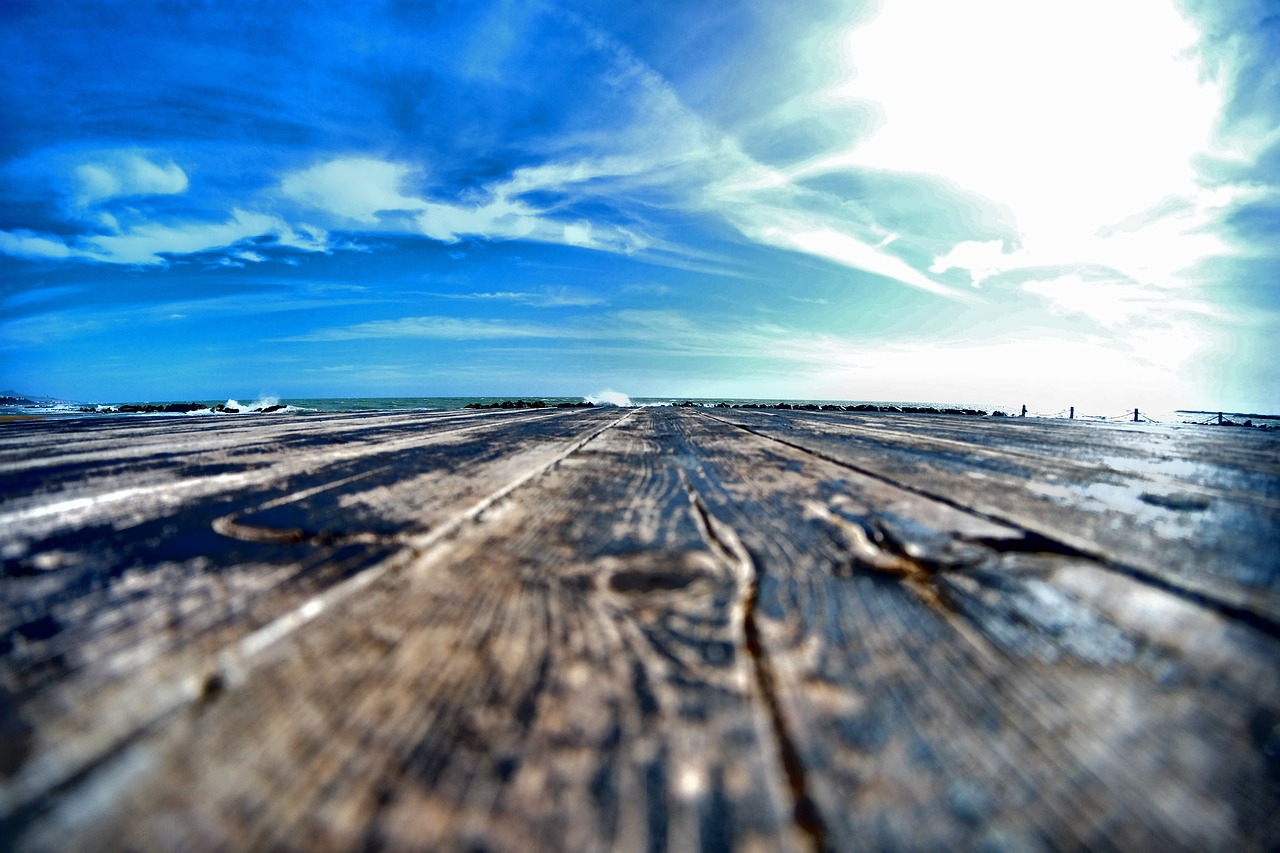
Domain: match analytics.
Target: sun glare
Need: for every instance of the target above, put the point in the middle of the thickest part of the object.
(1075, 116)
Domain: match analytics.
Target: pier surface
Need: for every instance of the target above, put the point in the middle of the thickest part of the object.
(638, 629)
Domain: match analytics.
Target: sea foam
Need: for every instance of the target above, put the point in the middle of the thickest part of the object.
(608, 397)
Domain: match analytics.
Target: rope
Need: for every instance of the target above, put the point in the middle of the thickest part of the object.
(1126, 415)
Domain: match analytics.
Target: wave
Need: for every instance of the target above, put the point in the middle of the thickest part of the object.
(608, 397)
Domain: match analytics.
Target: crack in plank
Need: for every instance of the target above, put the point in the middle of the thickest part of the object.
(725, 543)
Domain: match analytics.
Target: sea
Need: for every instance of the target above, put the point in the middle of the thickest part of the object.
(48, 407)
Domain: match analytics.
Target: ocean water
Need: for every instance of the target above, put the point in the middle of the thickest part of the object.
(306, 405)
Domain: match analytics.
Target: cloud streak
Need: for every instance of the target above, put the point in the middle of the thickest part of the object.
(436, 327)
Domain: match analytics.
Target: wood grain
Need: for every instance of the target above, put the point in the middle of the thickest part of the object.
(638, 630)
(1197, 509)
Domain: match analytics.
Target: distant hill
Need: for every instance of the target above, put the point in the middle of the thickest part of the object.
(16, 398)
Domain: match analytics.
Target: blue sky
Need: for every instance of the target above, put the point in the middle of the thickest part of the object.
(995, 201)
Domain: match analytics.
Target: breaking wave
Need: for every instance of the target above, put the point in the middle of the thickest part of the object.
(263, 402)
(608, 397)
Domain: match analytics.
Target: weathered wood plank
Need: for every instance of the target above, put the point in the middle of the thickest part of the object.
(945, 688)
(115, 611)
(565, 670)
(653, 629)
(1179, 504)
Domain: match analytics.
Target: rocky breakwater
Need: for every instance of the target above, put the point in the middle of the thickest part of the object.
(861, 407)
(535, 404)
(177, 409)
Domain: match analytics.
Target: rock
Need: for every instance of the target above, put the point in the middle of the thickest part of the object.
(523, 404)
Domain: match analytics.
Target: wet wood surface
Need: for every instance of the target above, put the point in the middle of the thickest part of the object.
(638, 629)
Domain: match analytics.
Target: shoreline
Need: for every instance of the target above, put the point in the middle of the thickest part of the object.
(13, 405)
(391, 405)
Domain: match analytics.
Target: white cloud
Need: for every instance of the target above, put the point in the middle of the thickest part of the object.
(498, 219)
(504, 215)
(25, 244)
(578, 233)
(147, 243)
(309, 238)
(1154, 246)
(982, 259)
(1110, 303)
(358, 188)
(1115, 303)
(126, 175)
(827, 242)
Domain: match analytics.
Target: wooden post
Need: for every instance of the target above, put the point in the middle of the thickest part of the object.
(1073, 413)
(1219, 418)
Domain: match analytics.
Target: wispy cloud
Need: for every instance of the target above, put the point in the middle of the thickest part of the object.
(562, 297)
(495, 219)
(148, 243)
(1114, 303)
(26, 244)
(125, 175)
(42, 295)
(442, 327)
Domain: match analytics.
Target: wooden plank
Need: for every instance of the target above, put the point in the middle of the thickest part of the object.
(944, 688)
(120, 595)
(565, 670)
(1182, 505)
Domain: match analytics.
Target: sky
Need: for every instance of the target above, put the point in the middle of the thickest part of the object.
(994, 202)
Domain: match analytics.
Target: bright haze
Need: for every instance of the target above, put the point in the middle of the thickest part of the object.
(1054, 203)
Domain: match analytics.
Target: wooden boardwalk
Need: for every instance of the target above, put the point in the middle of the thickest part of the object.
(638, 629)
